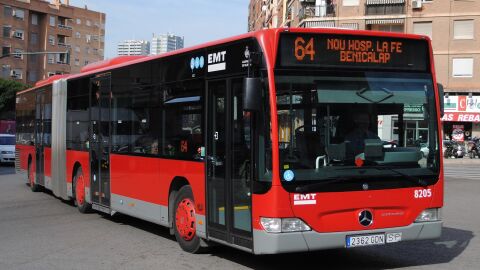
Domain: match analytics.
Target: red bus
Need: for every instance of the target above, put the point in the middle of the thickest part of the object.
(275, 141)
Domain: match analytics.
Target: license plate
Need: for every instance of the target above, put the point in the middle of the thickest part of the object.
(365, 240)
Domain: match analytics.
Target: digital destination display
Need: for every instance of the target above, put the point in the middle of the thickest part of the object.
(348, 51)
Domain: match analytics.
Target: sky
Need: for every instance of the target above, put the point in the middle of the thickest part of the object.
(198, 21)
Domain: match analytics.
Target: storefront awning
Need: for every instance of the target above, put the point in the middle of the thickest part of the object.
(385, 2)
(319, 24)
(385, 21)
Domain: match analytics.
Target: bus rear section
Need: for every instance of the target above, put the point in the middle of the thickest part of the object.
(353, 111)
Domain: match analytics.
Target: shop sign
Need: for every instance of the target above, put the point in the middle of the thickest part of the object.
(458, 133)
(461, 117)
(462, 104)
(413, 109)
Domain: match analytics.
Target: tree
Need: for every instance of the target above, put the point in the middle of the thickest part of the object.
(8, 89)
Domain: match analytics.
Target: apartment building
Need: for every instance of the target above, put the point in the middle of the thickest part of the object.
(166, 43)
(33, 28)
(453, 26)
(133, 47)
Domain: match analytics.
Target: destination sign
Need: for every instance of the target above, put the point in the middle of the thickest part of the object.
(328, 50)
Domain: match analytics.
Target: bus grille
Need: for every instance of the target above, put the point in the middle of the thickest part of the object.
(17, 160)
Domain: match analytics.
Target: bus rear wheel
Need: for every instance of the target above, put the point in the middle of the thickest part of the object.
(184, 221)
(31, 178)
(79, 192)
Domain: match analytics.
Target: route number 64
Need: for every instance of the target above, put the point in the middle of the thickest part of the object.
(422, 193)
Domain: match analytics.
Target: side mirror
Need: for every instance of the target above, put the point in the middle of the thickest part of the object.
(252, 94)
(441, 99)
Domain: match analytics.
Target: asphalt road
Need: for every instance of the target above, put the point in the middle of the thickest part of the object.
(38, 231)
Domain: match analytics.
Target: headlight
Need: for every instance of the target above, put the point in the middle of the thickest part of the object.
(283, 225)
(428, 215)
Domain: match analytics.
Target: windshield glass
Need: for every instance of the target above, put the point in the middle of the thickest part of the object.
(7, 140)
(362, 125)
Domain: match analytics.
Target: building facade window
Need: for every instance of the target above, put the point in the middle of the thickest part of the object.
(52, 21)
(34, 19)
(18, 53)
(51, 39)
(7, 11)
(78, 35)
(5, 71)
(423, 28)
(350, 3)
(51, 58)
(79, 21)
(77, 62)
(462, 67)
(77, 48)
(7, 31)
(463, 29)
(18, 34)
(5, 50)
(88, 38)
(89, 23)
(19, 14)
(17, 74)
(32, 76)
(33, 38)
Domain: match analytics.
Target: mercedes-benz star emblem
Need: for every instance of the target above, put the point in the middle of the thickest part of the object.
(365, 218)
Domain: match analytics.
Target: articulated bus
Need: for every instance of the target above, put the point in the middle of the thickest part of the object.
(276, 141)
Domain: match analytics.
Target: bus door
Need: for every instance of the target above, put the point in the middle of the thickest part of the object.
(100, 99)
(39, 138)
(229, 155)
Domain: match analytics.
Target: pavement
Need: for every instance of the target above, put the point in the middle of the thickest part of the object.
(39, 231)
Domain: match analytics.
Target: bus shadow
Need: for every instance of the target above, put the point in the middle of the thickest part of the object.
(418, 253)
(143, 225)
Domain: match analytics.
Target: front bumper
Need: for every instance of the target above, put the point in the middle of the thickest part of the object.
(270, 243)
(7, 158)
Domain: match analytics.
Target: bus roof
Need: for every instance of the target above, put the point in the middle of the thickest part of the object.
(264, 36)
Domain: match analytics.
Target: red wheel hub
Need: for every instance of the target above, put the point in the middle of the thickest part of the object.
(80, 190)
(185, 219)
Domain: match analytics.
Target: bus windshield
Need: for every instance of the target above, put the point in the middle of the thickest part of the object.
(364, 125)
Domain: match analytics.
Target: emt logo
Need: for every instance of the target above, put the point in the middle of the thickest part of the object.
(304, 199)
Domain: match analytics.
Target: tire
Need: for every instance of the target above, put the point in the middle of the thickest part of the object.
(79, 195)
(184, 221)
(31, 178)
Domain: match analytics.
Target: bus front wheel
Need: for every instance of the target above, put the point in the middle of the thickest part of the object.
(184, 221)
(79, 192)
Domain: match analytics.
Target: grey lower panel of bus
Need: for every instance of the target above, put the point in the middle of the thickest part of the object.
(272, 243)
(149, 211)
(59, 131)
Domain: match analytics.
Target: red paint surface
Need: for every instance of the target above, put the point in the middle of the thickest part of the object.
(149, 179)
(185, 219)
(83, 159)
(47, 166)
(25, 152)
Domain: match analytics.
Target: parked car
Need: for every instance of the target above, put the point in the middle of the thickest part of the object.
(7, 148)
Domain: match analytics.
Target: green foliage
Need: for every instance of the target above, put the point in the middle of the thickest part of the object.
(8, 89)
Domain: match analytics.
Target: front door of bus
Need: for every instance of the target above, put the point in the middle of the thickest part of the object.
(229, 153)
(39, 138)
(100, 99)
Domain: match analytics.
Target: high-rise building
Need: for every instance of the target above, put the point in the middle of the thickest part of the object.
(453, 26)
(166, 43)
(32, 28)
(133, 47)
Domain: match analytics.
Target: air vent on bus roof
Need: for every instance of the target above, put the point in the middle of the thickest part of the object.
(110, 62)
(50, 80)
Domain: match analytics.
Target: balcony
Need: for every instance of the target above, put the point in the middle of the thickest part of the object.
(63, 26)
(384, 7)
(328, 10)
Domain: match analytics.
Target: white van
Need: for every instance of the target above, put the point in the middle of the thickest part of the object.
(7, 148)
